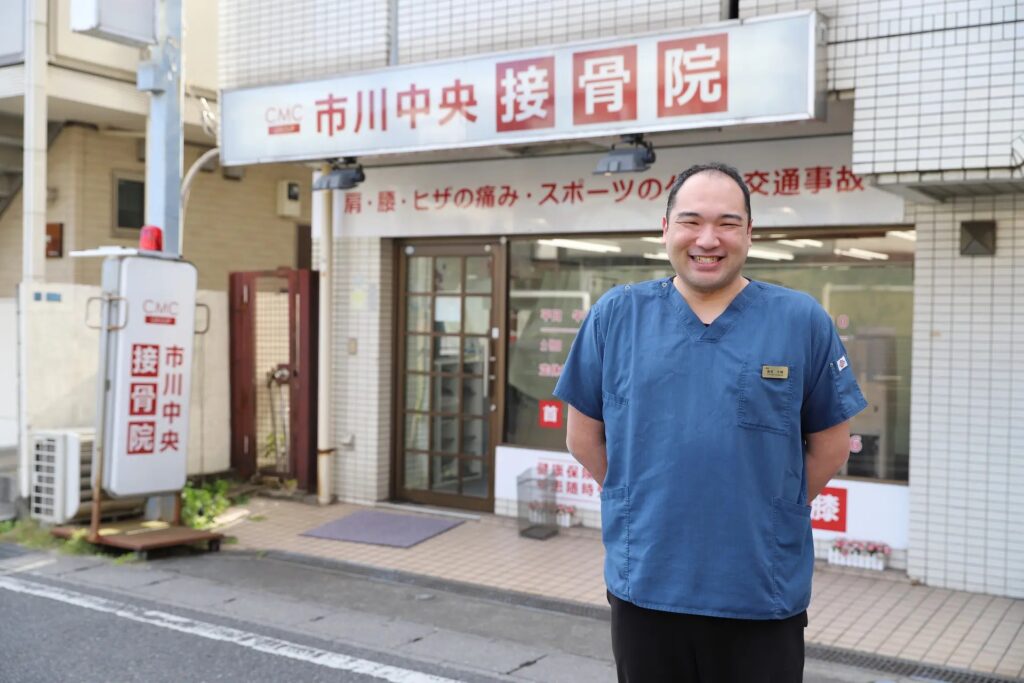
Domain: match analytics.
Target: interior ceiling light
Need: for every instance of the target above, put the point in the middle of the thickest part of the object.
(634, 159)
(652, 240)
(801, 243)
(909, 235)
(862, 254)
(582, 246)
(344, 175)
(769, 254)
(657, 257)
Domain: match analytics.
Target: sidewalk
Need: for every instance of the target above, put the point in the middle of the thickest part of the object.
(880, 614)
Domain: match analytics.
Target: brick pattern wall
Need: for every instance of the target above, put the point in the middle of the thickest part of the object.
(938, 84)
(362, 381)
(967, 415)
(63, 173)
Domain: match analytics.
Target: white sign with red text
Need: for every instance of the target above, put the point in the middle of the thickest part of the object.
(863, 511)
(859, 510)
(149, 369)
(757, 71)
(573, 484)
(793, 183)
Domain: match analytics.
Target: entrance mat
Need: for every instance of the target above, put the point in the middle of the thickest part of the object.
(383, 528)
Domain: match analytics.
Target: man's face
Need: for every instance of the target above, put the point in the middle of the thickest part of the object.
(708, 232)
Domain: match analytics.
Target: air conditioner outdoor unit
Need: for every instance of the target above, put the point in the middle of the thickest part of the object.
(61, 470)
(8, 493)
(62, 480)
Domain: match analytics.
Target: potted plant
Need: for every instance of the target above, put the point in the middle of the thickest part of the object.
(565, 515)
(862, 554)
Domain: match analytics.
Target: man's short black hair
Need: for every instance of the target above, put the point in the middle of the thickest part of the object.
(713, 166)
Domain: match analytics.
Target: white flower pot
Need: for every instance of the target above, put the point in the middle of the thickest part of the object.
(875, 562)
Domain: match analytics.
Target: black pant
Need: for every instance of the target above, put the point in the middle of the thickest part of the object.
(651, 646)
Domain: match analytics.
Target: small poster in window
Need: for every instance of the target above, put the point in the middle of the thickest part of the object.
(549, 414)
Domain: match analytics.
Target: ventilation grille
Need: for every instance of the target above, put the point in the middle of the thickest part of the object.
(44, 478)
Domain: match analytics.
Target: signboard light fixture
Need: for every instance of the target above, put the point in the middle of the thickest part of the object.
(344, 175)
(635, 159)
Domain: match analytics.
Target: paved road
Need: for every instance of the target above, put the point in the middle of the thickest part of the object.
(234, 617)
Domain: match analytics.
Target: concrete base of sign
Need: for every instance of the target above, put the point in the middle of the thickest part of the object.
(140, 537)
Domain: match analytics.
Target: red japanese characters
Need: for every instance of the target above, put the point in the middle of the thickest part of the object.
(156, 399)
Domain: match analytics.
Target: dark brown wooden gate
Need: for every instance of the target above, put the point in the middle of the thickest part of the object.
(273, 350)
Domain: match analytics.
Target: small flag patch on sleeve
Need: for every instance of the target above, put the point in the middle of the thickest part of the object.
(841, 363)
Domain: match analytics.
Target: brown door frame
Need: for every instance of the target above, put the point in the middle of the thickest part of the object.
(499, 300)
(303, 322)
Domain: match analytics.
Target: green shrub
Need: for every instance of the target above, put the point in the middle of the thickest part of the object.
(200, 505)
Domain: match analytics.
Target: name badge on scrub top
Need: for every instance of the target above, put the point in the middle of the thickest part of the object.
(775, 372)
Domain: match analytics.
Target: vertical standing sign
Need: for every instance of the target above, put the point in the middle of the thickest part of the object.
(148, 372)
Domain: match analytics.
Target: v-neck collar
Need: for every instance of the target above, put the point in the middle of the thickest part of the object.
(720, 325)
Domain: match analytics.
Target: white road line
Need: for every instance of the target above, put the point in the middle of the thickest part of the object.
(27, 567)
(253, 641)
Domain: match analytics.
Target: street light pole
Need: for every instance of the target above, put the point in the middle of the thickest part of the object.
(161, 77)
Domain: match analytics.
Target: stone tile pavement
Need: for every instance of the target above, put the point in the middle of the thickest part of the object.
(861, 610)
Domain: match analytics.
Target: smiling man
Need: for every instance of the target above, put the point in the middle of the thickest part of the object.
(713, 409)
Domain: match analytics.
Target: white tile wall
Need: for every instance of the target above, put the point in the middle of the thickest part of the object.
(939, 84)
(362, 382)
(436, 29)
(967, 416)
(272, 42)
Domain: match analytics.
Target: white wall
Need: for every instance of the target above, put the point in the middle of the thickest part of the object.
(64, 362)
(8, 373)
(967, 410)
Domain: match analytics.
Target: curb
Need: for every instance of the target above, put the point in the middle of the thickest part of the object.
(818, 652)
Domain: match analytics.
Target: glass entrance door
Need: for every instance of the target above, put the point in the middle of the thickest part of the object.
(450, 346)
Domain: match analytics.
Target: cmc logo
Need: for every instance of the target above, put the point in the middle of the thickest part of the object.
(160, 312)
(282, 120)
(160, 307)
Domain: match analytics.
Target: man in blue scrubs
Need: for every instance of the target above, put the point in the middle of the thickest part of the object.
(712, 409)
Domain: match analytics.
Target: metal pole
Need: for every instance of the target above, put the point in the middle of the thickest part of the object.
(33, 215)
(323, 230)
(162, 78)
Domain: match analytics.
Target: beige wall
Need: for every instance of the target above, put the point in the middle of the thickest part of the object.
(200, 41)
(230, 225)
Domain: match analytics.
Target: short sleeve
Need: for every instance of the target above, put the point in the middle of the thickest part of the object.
(832, 396)
(580, 382)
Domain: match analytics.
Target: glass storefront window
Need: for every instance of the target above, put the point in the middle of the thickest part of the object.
(863, 280)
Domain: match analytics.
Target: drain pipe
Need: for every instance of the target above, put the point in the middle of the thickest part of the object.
(33, 218)
(323, 230)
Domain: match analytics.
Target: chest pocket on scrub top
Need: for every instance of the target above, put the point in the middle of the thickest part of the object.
(766, 396)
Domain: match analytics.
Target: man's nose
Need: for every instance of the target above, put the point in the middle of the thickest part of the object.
(706, 238)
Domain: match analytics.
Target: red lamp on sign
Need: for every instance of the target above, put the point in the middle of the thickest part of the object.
(151, 238)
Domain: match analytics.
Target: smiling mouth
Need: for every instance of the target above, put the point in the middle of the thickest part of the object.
(706, 259)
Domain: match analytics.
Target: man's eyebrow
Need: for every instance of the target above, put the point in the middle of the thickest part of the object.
(694, 214)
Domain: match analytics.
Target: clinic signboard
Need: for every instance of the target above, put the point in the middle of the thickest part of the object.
(795, 182)
(762, 70)
(148, 359)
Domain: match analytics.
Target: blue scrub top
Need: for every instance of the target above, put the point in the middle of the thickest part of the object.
(704, 507)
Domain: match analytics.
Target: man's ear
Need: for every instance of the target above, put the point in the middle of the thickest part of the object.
(664, 228)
